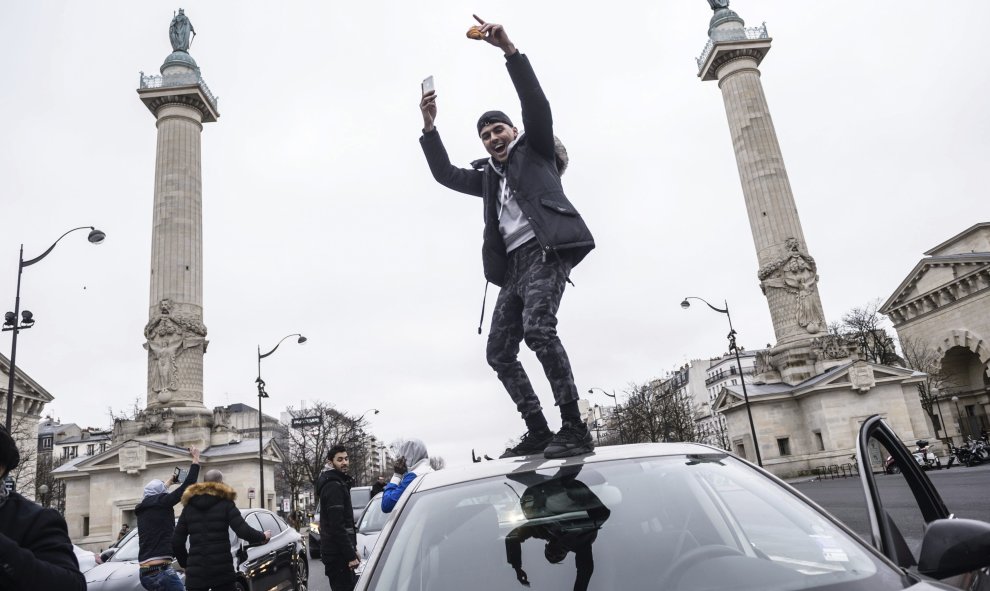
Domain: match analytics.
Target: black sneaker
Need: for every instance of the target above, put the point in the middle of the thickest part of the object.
(570, 441)
(533, 442)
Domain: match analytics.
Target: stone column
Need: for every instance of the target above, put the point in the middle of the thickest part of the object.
(788, 274)
(175, 335)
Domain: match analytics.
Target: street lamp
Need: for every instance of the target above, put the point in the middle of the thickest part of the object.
(742, 378)
(615, 405)
(262, 394)
(959, 423)
(27, 318)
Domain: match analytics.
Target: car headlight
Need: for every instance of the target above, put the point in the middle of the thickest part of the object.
(314, 527)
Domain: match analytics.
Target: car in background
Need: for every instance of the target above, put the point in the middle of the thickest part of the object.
(279, 563)
(360, 497)
(671, 516)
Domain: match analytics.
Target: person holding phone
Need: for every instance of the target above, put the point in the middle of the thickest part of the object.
(412, 461)
(156, 525)
(533, 238)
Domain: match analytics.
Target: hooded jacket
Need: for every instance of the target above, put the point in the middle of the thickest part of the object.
(35, 550)
(418, 462)
(156, 519)
(532, 171)
(338, 537)
(209, 511)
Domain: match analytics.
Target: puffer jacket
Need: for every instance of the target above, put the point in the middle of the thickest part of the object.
(338, 537)
(209, 511)
(533, 172)
(35, 550)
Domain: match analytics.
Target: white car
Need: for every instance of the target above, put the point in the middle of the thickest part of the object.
(671, 516)
(369, 528)
(86, 559)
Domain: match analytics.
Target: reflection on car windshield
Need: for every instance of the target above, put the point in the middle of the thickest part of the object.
(696, 522)
(128, 548)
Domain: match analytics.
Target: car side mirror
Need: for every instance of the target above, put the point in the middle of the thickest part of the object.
(242, 554)
(108, 554)
(954, 546)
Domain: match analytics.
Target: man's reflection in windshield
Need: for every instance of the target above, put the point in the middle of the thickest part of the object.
(563, 511)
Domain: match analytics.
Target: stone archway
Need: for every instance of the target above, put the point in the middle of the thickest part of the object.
(968, 340)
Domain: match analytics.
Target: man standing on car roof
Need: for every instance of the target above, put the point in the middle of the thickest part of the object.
(338, 538)
(533, 238)
(156, 522)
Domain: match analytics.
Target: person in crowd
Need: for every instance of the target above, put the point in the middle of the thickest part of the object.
(378, 486)
(123, 532)
(209, 512)
(338, 538)
(412, 460)
(35, 549)
(533, 238)
(156, 522)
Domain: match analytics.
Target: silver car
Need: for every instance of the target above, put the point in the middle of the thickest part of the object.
(671, 516)
(278, 564)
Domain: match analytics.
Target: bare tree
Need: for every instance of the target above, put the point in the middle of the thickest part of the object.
(50, 491)
(864, 326)
(921, 356)
(656, 412)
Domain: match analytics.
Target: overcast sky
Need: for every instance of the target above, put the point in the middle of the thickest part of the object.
(321, 217)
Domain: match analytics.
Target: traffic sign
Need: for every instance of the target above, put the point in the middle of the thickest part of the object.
(251, 493)
(305, 421)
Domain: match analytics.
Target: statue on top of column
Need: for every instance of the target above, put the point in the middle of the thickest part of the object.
(716, 4)
(181, 32)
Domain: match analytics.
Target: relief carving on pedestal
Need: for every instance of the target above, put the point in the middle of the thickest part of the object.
(797, 274)
(833, 346)
(168, 335)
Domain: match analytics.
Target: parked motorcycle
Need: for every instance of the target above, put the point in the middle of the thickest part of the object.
(967, 455)
(924, 456)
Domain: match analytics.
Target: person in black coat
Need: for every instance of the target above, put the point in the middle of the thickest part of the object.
(338, 538)
(35, 549)
(533, 237)
(156, 525)
(209, 511)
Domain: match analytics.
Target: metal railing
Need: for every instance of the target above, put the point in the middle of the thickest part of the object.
(726, 35)
(189, 79)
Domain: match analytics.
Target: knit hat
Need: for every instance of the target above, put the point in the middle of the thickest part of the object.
(9, 456)
(155, 487)
(490, 117)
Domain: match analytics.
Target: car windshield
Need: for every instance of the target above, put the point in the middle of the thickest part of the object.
(373, 519)
(677, 522)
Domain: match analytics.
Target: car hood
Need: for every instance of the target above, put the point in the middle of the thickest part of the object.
(112, 571)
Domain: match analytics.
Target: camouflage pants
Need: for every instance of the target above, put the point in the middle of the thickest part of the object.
(526, 309)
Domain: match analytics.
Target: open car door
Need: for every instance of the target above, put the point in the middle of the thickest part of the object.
(944, 548)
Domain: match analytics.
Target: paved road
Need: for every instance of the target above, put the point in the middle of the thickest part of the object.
(966, 492)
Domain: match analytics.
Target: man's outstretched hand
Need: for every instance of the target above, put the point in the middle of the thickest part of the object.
(428, 105)
(495, 34)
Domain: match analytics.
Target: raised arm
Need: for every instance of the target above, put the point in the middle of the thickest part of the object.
(536, 115)
(175, 496)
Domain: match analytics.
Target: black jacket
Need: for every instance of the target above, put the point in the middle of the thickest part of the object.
(156, 519)
(209, 511)
(531, 172)
(35, 550)
(338, 538)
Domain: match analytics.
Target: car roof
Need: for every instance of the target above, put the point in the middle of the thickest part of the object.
(493, 468)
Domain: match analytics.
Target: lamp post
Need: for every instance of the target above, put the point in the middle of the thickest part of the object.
(615, 405)
(11, 322)
(357, 425)
(742, 378)
(262, 394)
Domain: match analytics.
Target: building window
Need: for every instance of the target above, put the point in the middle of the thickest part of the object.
(46, 443)
(70, 451)
(85, 525)
(90, 449)
(820, 441)
(784, 446)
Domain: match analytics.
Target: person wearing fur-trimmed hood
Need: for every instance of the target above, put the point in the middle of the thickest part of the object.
(533, 237)
(209, 511)
(412, 460)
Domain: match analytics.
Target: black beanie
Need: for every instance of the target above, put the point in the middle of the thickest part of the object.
(493, 117)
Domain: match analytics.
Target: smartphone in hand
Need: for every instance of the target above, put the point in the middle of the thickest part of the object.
(428, 85)
(178, 475)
